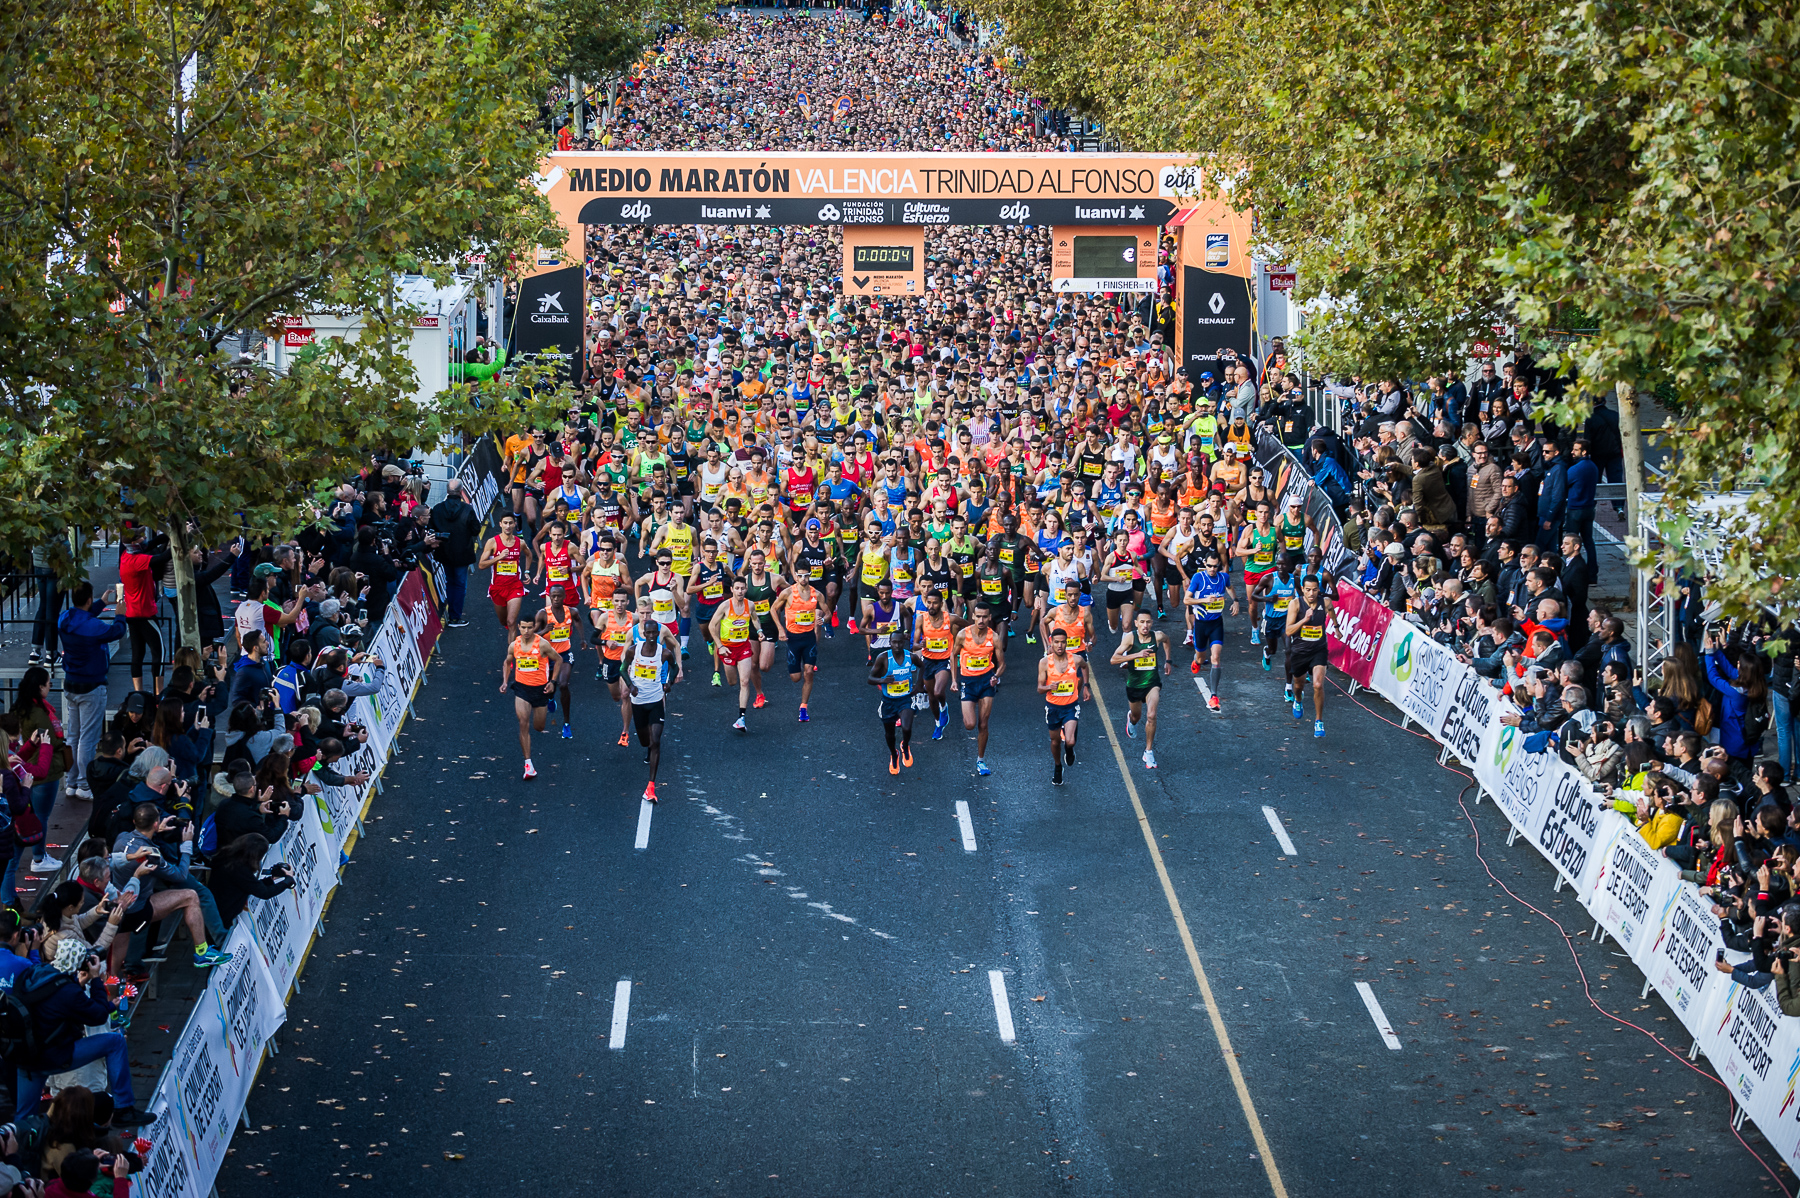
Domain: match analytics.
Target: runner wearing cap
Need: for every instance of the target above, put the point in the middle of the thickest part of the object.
(1296, 527)
(530, 671)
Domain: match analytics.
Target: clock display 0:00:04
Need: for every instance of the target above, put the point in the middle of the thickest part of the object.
(883, 257)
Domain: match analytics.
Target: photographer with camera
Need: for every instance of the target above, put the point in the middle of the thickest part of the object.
(66, 996)
(237, 875)
(249, 811)
(374, 559)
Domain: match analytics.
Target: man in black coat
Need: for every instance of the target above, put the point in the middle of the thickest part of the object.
(457, 526)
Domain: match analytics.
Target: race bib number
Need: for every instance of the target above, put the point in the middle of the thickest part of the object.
(506, 568)
(1311, 634)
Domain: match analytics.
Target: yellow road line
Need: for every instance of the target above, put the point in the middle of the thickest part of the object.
(1193, 956)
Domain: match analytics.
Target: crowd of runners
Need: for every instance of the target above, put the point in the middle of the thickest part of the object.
(760, 465)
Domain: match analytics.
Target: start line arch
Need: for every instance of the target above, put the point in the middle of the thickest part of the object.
(1105, 212)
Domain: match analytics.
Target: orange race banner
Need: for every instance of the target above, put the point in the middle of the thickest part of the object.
(704, 187)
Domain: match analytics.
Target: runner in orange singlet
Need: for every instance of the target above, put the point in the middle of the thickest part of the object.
(796, 612)
(529, 672)
(934, 632)
(1063, 681)
(612, 632)
(556, 623)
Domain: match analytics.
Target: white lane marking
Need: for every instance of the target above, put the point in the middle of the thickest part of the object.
(643, 837)
(967, 825)
(621, 1012)
(1287, 845)
(1002, 1008)
(1381, 1020)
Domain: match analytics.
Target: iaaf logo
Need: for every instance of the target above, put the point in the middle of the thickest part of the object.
(1015, 212)
(637, 211)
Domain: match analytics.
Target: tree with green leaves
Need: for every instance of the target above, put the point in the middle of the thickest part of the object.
(173, 174)
(1434, 169)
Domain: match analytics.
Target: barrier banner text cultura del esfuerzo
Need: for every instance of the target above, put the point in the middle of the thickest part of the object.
(201, 1095)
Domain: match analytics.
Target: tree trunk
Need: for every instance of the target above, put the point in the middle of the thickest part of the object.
(576, 107)
(187, 591)
(1631, 436)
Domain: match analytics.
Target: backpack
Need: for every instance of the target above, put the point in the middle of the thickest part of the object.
(20, 1044)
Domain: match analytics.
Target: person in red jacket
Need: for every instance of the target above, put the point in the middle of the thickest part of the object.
(141, 563)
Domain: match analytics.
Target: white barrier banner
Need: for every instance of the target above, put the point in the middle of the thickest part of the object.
(1776, 1111)
(282, 926)
(1739, 1038)
(1678, 960)
(382, 712)
(1417, 674)
(215, 1059)
(1568, 830)
(1631, 885)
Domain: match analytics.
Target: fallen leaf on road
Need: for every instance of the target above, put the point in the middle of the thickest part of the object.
(1039, 998)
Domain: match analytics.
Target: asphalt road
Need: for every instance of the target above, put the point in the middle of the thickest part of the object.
(809, 948)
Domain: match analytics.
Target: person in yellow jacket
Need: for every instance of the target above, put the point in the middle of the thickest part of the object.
(1657, 823)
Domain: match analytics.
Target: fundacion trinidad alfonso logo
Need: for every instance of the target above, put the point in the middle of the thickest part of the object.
(1503, 748)
(1402, 663)
(829, 214)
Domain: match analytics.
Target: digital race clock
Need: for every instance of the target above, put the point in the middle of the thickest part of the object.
(886, 258)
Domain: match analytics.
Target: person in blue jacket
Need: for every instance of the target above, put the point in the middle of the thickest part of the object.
(1552, 497)
(1743, 702)
(66, 997)
(1584, 483)
(86, 660)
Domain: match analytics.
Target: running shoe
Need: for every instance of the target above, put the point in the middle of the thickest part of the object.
(853, 626)
(1056, 775)
(761, 700)
(717, 679)
(46, 865)
(937, 728)
(831, 628)
(1213, 703)
(1287, 693)
(1161, 614)
(893, 763)
(568, 733)
(1255, 635)
(981, 767)
(1031, 638)
(553, 705)
(834, 619)
(740, 725)
(1318, 727)
(530, 771)
(804, 718)
(624, 739)
(1149, 760)
(906, 757)
(649, 792)
(1194, 666)
(1297, 709)
(599, 675)
(1130, 728)
(458, 624)
(208, 957)
(1265, 662)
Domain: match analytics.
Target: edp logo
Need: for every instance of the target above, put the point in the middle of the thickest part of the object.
(637, 211)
